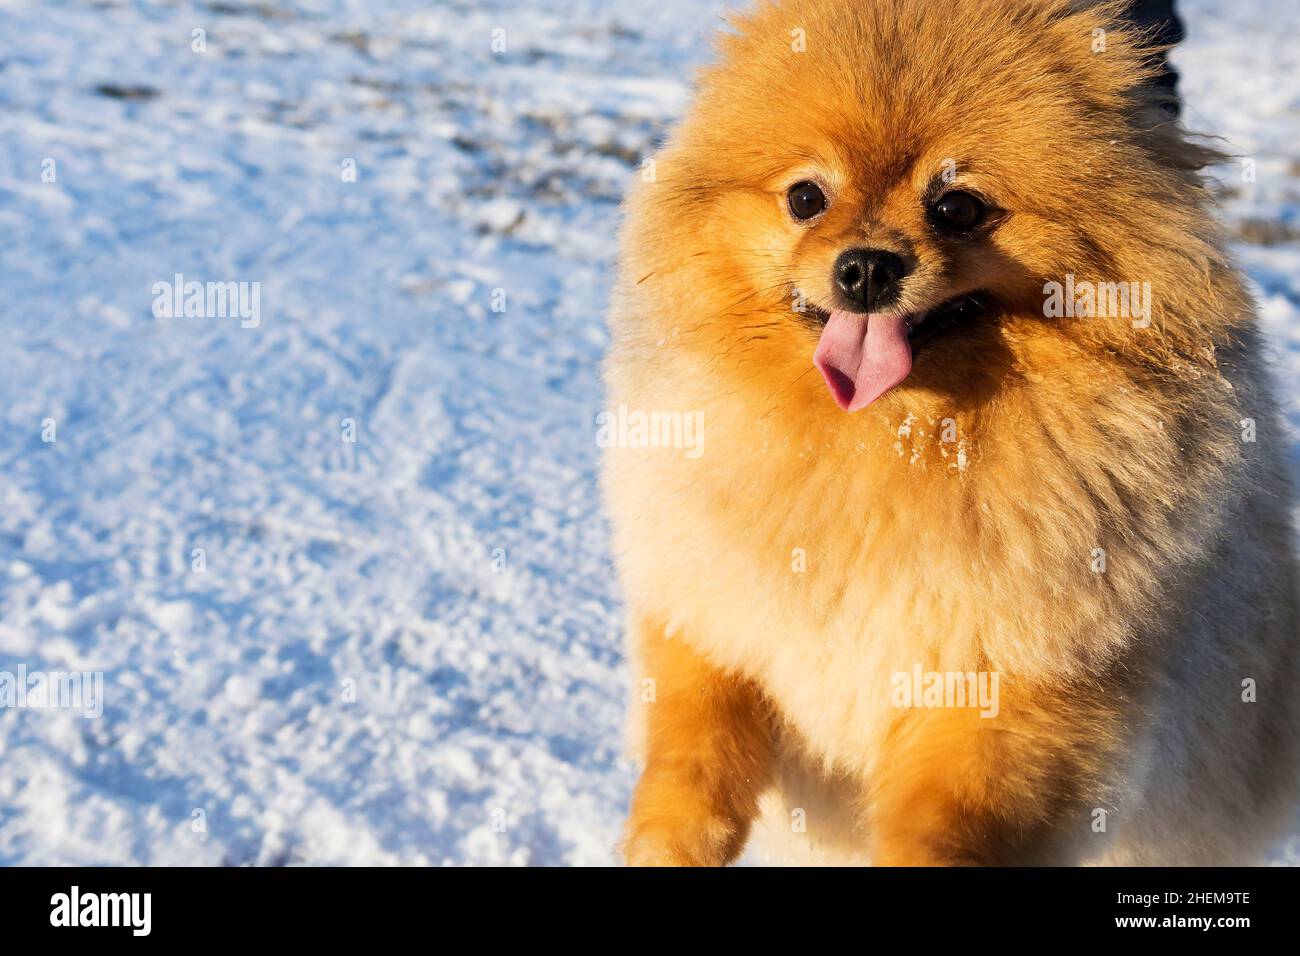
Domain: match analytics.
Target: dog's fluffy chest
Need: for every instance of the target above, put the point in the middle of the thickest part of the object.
(832, 608)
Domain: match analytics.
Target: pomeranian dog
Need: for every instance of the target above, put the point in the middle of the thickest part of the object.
(982, 553)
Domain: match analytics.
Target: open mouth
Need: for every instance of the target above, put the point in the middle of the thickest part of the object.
(864, 355)
(933, 323)
(945, 317)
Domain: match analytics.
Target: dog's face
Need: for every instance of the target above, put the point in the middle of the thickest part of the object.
(882, 185)
(893, 249)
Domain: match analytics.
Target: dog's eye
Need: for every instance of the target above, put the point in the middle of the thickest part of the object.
(957, 211)
(805, 200)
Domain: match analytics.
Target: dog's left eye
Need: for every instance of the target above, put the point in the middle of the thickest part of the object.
(958, 211)
(806, 200)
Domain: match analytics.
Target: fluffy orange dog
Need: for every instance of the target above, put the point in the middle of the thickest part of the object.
(986, 557)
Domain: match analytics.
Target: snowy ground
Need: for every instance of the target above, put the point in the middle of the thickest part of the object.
(403, 648)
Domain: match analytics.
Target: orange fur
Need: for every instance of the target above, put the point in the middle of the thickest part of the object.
(809, 555)
(960, 789)
(708, 759)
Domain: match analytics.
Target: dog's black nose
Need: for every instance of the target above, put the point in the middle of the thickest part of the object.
(868, 278)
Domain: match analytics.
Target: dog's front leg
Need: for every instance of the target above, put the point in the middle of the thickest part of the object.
(1019, 787)
(708, 757)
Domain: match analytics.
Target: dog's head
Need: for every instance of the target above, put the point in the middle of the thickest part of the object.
(883, 187)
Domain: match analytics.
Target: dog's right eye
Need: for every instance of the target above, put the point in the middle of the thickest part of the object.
(806, 200)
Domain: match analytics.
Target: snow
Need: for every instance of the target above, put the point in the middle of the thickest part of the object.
(406, 647)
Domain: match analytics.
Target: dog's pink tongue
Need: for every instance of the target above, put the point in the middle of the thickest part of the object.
(863, 356)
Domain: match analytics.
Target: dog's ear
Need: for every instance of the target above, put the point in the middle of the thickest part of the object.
(1115, 65)
(1115, 61)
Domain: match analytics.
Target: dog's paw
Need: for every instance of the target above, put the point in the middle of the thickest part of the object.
(708, 841)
